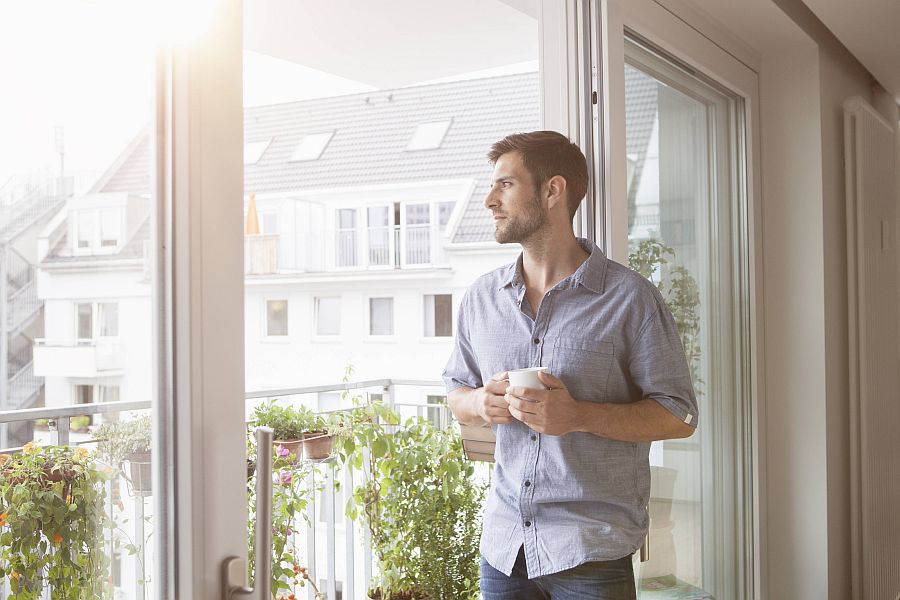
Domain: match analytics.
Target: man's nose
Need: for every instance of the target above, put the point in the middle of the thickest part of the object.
(489, 200)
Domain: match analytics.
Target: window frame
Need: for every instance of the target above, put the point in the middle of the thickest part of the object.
(367, 304)
(327, 337)
(453, 313)
(266, 336)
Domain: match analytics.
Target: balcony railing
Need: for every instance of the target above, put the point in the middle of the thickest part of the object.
(336, 548)
(77, 358)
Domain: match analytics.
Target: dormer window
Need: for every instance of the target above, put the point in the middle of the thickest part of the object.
(429, 136)
(97, 230)
(311, 146)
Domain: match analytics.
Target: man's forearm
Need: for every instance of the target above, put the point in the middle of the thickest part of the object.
(462, 404)
(642, 421)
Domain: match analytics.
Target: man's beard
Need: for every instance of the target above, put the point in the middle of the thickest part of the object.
(524, 225)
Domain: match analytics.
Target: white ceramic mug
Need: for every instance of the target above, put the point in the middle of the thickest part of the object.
(527, 378)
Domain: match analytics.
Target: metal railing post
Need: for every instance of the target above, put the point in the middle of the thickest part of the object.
(59, 431)
(330, 546)
(311, 534)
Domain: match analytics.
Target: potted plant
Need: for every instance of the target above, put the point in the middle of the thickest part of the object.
(128, 442)
(317, 434)
(51, 506)
(286, 423)
(419, 502)
(291, 496)
(656, 261)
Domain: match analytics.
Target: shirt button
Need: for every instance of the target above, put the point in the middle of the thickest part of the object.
(527, 483)
(527, 523)
(536, 341)
(533, 437)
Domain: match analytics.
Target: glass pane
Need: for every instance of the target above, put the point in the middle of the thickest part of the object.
(109, 319)
(445, 209)
(276, 317)
(328, 316)
(379, 235)
(680, 211)
(75, 156)
(362, 219)
(417, 214)
(109, 228)
(85, 224)
(438, 315)
(381, 316)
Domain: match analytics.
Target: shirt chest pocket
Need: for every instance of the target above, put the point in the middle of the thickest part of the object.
(583, 366)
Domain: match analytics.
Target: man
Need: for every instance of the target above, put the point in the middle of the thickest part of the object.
(568, 500)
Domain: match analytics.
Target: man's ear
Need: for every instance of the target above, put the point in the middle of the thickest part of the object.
(555, 190)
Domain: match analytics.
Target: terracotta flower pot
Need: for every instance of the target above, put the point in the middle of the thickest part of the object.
(317, 445)
(292, 446)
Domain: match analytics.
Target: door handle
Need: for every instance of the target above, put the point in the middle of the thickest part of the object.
(234, 568)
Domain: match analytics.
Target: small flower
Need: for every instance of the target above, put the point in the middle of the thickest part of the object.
(29, 448)
(14, 575)
(80, 452)
(57, 538)
(296, 569)
(290, 531)
(120, 505)
(285, 478)
(3, 459)
(282, 451)
(3, 517)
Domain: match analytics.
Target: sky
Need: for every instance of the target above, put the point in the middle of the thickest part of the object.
(86, 66)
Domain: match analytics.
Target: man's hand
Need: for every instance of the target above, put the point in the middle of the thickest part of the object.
(489, 402)
(552, 411)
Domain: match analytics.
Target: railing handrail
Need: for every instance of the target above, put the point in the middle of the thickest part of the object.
(77, 342)
(93, 408)
(75, 410)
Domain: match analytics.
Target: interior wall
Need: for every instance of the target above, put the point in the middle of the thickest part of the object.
(809, 451)
(840, 80)
(794, 353)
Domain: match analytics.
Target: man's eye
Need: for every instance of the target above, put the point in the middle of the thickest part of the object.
(505, 184)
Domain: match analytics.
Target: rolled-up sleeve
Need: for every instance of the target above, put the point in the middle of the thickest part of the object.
(659, 368)
(462, 368)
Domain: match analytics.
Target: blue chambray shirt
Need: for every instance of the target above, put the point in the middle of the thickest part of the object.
(606, 333)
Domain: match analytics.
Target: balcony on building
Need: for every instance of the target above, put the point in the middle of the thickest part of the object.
(78, 357)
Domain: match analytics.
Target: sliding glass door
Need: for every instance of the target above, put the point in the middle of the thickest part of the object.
(678, 202)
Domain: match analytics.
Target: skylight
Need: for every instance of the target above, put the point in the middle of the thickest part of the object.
(253, 151)
(311, 146)
(429, 136)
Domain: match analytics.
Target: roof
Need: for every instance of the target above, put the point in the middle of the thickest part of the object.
(641, 90)
(372, 131)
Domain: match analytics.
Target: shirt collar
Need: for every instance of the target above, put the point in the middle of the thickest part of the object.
(590, 274)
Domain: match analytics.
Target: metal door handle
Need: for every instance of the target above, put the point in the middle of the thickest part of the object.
(234, 569)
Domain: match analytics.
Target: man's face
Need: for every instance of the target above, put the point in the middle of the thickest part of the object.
(514, 201)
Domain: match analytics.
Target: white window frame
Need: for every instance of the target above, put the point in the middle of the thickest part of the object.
(359, 233)
(95, 320)
(690, 40)
(327, 337)
(437, 339)
(404, 228)
(265, 336)
(95, 241)
(367, 319)
(392, 227)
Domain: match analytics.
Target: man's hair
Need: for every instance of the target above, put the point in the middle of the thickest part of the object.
(546, 154)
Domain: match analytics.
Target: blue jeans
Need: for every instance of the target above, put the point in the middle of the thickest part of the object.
(602, 580)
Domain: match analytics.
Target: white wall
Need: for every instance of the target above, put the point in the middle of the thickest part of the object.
(304, 359)
(806, 353)
(794, 355)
